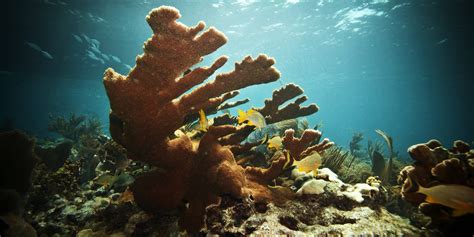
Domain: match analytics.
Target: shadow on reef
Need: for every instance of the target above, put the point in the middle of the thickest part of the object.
(169, 170)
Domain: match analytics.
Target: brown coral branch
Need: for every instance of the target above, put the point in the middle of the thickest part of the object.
(271, 109)
(232, 104)
(301, 147)
(319, 147)
(218, 106)
(248, 72)
(225, 119)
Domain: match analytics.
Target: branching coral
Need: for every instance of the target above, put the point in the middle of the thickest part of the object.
(148, 105)
(274, 114)
(271, 110)
(299, 148)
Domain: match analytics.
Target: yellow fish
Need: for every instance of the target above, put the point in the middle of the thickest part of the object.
(309, 163)
(275, 143)
(458, 197)
(252, 117)
(203, 123)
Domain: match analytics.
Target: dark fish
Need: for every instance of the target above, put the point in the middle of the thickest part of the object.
(378, 163)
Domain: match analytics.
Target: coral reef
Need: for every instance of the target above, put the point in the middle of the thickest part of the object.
(437, 167)
(162, 172)
(142, 124)
(60, 205)
(332, 210)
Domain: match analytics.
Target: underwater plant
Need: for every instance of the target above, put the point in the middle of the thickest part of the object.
(354, 144)
(334, 158)
(355, 147)
(75, 126)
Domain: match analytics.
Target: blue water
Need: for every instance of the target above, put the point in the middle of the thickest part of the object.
(405, 67)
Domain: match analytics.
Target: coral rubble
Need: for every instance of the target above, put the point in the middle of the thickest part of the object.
(323, 208)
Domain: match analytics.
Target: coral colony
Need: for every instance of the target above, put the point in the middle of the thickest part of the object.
(143, 124)
(168, 169)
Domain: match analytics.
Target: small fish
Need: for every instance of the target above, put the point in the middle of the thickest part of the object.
(95, 43)
(442, 41)
(275, 143)
(319, 125)
(33, 46)
(46, 55)
(86, 38)
(106, 57)
(100, 19)
(95, 49)
(203, 123)
(127, 66)
(38, 48)
(92, 56)
(252, 117)
(309, 163)
(106, 180)
(77, 38)
(458, 197)
(123, 180)
(115, 58)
